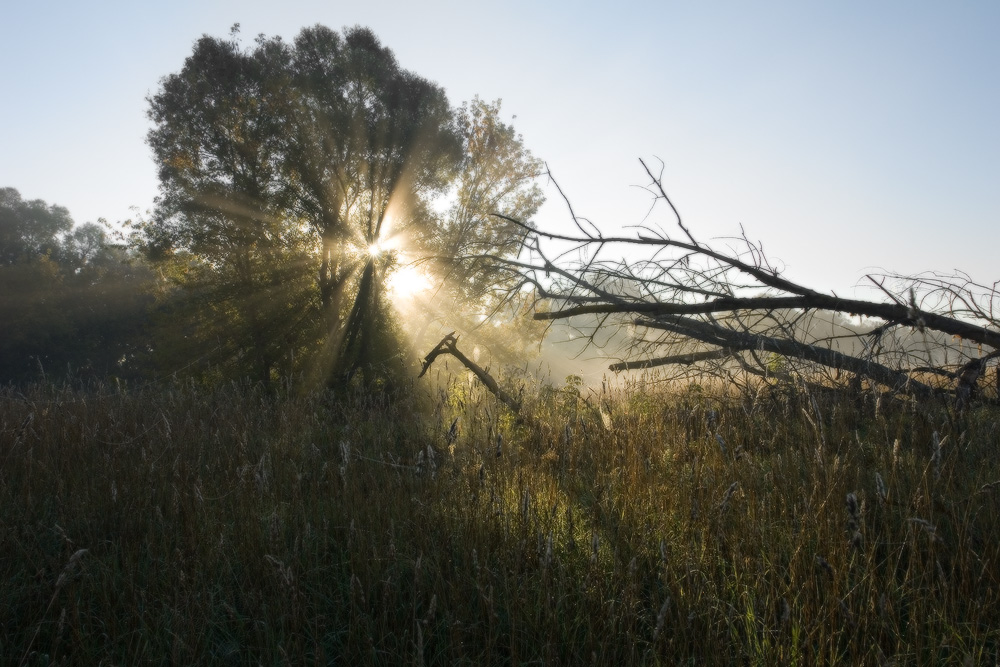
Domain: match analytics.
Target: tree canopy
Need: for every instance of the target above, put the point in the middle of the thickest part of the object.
(29, 229)
(285, 166)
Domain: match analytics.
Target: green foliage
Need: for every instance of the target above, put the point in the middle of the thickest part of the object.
(498, 176)
(279, 167)
(232, 526)
(29, 229)
(777, 364)
(72, 304)
(283, 163)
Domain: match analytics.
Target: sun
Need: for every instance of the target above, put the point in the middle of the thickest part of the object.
(407, 279)
(407, 282)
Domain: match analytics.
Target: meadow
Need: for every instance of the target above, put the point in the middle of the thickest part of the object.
(629, 524)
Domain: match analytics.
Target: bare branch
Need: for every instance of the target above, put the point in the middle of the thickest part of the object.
(658, 182)
(684, 359)
(716, 335)
(449, 345)
(894, 312)
(688, 294)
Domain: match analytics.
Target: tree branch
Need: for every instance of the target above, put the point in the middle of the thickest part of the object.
(717, 335)
(449, 345)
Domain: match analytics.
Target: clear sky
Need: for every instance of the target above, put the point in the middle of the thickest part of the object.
(845, 135)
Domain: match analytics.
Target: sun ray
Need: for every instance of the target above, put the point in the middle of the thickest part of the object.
(406, 282)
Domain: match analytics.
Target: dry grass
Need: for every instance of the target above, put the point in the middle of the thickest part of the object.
(183, 525)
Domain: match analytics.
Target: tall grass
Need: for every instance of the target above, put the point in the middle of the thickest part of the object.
(623, 526)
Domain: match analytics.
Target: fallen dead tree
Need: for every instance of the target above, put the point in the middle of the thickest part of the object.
(672, 300)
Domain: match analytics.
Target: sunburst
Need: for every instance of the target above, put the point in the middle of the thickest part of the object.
(408, 281)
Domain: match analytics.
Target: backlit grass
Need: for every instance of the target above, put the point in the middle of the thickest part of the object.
(627, 526)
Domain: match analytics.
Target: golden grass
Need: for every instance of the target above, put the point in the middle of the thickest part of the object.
(182, 525)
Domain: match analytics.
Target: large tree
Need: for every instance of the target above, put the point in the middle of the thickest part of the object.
(222, 218)
(306, 156)
(293, 155)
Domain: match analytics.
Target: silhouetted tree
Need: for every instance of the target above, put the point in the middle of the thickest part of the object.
(299, 159)
(294, 155)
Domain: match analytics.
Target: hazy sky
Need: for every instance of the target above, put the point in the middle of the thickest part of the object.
(844, 135)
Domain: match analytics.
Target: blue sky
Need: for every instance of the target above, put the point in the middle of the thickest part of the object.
(846, 136)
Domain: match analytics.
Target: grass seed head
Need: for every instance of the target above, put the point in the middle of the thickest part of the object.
(881, 491)
(661, 618)
(606, 419)
(824, 565)
(854, 520)
(71, 567)
(728, 495)
(936, 455)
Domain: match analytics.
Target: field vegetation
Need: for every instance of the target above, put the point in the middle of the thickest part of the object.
(635, 523)
(215, 447)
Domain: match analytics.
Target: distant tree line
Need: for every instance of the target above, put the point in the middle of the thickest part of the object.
(71, 301)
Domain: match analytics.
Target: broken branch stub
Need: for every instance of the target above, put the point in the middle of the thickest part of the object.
(449, 345)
